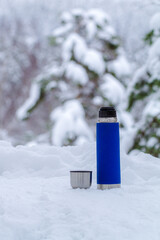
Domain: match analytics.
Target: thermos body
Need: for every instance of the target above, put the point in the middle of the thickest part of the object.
(108, 152)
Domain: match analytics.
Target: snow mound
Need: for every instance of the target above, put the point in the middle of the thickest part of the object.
(37, 202)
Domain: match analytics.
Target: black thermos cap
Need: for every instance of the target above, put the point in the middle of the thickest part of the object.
(107, 112)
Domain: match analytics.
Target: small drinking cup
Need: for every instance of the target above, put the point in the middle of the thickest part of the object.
(81, 179)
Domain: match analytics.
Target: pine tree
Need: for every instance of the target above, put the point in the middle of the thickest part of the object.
(144, 100)
(90, 71)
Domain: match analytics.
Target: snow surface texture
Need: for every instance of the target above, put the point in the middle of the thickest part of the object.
(37, 201)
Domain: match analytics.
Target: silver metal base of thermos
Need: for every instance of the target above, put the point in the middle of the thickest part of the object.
(108, 186)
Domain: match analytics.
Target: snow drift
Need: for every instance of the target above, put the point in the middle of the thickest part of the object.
(37, 202)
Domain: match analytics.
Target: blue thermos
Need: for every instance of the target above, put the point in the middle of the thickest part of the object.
(108, 149)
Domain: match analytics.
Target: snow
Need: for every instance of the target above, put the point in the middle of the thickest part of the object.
(77, 12)
(120, 66)
(140, 73)
(98, 101)
(69, 124)
(51, 85)
(66, 17)
(76, 44)
(98, 16)
(62, 30)
(50, 72)
(37, 201)
(90, 29)
(34, 96)
(155, 23)
(63, 86)
(152, 141)
(112, 89)
(97, 24)
(36, 87)
(94, 61)
(153, 63)
(108, 34)
(76, 73)
(4, 135)
(125, 118)
(152, 108)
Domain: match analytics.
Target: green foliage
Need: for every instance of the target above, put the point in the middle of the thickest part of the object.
(149, 37)
(141, 90)
(145, 89)
(149, 131)
(52, 40)
(114, 43)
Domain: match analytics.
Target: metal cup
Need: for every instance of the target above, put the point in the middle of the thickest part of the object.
(81, 179)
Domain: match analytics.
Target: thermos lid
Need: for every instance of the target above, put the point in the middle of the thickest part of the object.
(107, 112)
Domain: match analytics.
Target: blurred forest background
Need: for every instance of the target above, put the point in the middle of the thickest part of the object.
(60, 61)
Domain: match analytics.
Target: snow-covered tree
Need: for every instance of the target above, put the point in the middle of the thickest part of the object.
(91, 71)
(144, 100)
(24, 50)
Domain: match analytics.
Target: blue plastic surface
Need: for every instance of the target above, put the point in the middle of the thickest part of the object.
(108, 153)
